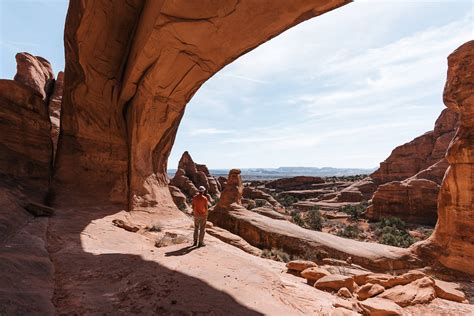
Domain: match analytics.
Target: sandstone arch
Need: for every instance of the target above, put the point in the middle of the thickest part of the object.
(131, 67)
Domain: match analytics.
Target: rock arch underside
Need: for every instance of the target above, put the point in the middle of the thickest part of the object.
(131, 68)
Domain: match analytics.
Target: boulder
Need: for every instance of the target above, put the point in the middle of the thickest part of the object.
(314, 274)
(369, 290)
(449, 291)
(178, 198)
(420, 291)
(300, 265)
(334, 282)
(344, 292)
(380, 307)
(388, 281)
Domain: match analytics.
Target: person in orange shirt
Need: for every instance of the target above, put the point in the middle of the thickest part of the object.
(200, 207)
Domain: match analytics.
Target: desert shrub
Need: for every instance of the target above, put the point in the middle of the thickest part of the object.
(276, 254)
(395, 237)
(349, 231)
(355, 211)
(392, 231)
(260, 202)
(391, 222)
(287, 200)
(314, 220)
(297, 219)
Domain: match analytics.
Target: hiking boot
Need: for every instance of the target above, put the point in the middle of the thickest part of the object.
(195, 243)
(201, 244)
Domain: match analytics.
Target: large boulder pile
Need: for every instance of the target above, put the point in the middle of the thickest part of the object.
(375, 293)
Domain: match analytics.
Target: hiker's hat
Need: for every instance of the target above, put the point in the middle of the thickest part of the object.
(202, 189)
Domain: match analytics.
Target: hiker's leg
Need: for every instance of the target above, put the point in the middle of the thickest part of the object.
(202, 229)
(196, 229)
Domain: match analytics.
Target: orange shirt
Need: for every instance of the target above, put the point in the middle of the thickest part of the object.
(200, 205)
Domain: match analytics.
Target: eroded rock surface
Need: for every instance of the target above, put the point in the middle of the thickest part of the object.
(139, 73)
(452, 242)
(189, 177)
(25, 129)
(411, 177)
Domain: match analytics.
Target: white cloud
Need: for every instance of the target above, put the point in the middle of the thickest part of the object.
(208, 131)
(341, 90)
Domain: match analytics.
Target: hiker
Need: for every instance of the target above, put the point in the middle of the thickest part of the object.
(200, 216)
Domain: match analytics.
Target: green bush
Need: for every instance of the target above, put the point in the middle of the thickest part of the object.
(350, 231)
(287, 200)
(297, 219)
(391, 222)
(355, 211)
(393, 236)
(314, 220)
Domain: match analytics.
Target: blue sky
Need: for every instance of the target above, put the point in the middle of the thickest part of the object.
(340, 90)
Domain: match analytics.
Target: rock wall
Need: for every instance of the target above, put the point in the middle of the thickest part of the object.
(25, 140)
(452, 242)
(126, 86)
(419, 154)
(410, 178)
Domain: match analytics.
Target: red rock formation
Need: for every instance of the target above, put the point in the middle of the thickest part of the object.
(25, 140)
(189, 176)
(35, 72)
(267, 232)
(419, 154)
(452, 242)
(126, 86)
(294, 183)
(233, 191)
(414, 199)
(254, 193)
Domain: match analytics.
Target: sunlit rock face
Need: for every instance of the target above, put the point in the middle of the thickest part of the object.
(452, 242)
(131, 67)
(411, 176)
(421, 153)
(25, 141)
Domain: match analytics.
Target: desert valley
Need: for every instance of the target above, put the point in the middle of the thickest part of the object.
(92, 223)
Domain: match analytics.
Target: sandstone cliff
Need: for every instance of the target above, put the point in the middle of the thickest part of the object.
(25, 132)
(411, 176)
